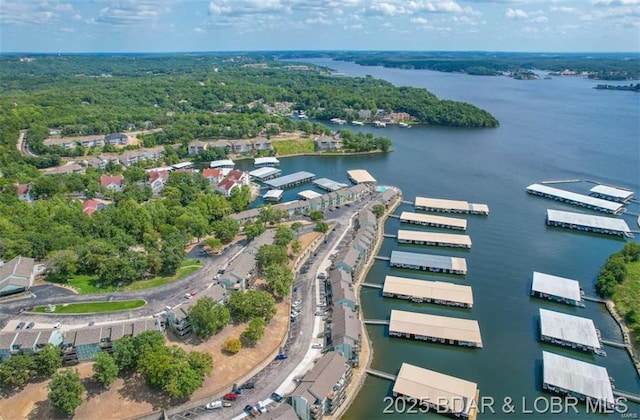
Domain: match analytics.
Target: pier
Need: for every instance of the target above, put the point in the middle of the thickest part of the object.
(371, 285)
(450, 206)
(290, 180)
(376, 321)
(594, 299)
(382, 258)
(628, 395)
(616, 344)
(588, 223)
(389, 235)
(381, 374)
(562, 181)
(575, 199)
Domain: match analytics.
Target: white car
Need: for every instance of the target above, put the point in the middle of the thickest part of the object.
(213, 405)
(316, 346)
(57, 325)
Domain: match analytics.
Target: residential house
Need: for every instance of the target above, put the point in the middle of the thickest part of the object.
(157, 180)
(262, 144)
(366, 218)
(240, 272)
(178, 318)
(130, 157)
(344, 333)
(17, 275)
(65, 142)
(116, 139)
(399, 116)
(388, 196)
(241, 177)
(111, 182)
(241, 146)
(27, 341)
(92, 141)
(152, 153)
(213, 175)
(89, 207)
(323, 389)
(349, 261)
(70, 168)
(340, 289)
(226, 186)
(24, 193)
(196, 147)
(364, 114)
(326, 143)
(55, 131)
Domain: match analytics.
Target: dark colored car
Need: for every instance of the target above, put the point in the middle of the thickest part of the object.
(251, 411)
(276, 397)
(20, 325)
(231, 396)
(248, 385)
(281, 356)
(30, 325)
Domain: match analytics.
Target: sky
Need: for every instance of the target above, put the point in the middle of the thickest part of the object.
(245, 25)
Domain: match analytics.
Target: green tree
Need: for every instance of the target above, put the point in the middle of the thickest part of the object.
(296, 226)
(232, 345)
(202, 363)
(279, 279)
(321, 227)
(16, 371)
(296, 246)
(105, 369)
(240, 198)
(271, 254)
(244, 306)
(62, 264)
(283, 236)
(214, 244)
(226, 229)
(135, 174)
(65, 391)
(254, 331)
(172, 255)
(208, 317)
(378, 210)
(316, 215)
(125, 353)
(254, 229)
(383, 143)
(48, 360)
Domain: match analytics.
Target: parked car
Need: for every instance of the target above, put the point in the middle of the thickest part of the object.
(30, 325)
(248, 385)
(316, 346)
(20, 325)
(251, 411)
(188, 296)
(295, 315)
(281, 356)
(213, 405)
(227, 404)
(322, 276)
(57, 325)
(296, 302)
(91, 323)
(231, 396)
(276, 397)
(168, 308)
(221, 271)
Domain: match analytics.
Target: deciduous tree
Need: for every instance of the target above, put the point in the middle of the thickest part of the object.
(208, 317)
(254, 331)
(105, 369)
(65, 391)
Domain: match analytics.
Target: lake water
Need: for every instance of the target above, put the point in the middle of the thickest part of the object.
(550, 130)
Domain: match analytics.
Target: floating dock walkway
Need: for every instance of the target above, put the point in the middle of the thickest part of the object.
(389, 235)
(371, 285)
(616, 344)
(376, 321)
(628, 395)
(381, 374)
(382, 258)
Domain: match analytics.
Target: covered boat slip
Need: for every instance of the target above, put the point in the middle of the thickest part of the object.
(556, 288)
(225, 163)
(565, 375)
(435, 221)
(290, 180)
(308, 194)
(434, 238)
(435, 263)
(443, 392)
(329, 184)
(438, 292)
(575, 198)
(265, 161)
(450, 206)
(611, 193)
(434, 328)
(588, 222)
(568, 330)
(264, 173)
(360, 176)
(273, 195)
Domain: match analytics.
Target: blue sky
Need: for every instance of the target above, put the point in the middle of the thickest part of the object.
(222, 25)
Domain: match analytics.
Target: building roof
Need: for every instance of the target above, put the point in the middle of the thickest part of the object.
(617, 193)
(266, 161)
(22, 189)
(212, 173)
(445, 327)
(360, 176)
(577, 376)
(27, 339)
(221, 163)
(580, 198)
(556, 286)
(329, 184)
(273, 195)
(427, 385)
(319, 381)
(106, 180)
(436, 290)
(429, 260)
(289, 179)
(155, 175)
(7, 339)
(281, 412)
(341, 288)
(182, 165)
(569, 328)
(309, 194)
(455, 205)
(428, 218)
(446, 238)
(226, 184)
(90, 335)
(17, 273)
(264, 172)
(89, 207)
(344, 324)
(588, 220)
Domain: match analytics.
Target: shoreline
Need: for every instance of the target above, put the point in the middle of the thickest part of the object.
(627, 334)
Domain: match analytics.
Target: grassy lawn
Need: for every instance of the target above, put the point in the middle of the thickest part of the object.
(94, 307)
(85, 284)
(627, 295)
(293, 147)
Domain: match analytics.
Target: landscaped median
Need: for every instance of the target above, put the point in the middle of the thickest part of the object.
(91, 307)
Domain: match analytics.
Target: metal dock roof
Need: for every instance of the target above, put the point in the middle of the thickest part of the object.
(182, 165)
(429, 385)
(617, 193)
(425, 289)
(433, 220)
(569, 328)
(273, 195)
(556, 286)
(588, 220)
(221, 163)
(293, 178)
(451, 205)
(309, 194)
(265, 161)
(578, 198)
(264, 172)
(436, 237)
(329, 184)
(360, 176)
(577, 376)
(444, 327)
(428, 260)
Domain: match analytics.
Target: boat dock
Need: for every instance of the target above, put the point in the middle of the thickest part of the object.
(616, 344)
(428, 262)
(376, 321)
(290, 180)
(575, 199)
(273, 195)
(559, 289)
(450, 206)
(308, 194)
(329, 184)
(381, 374)
(265, 161)
(361, 176)
(371, 285)
(611, 193)
(265, 173)
(224, 163)
(588, 223)
(435, 329)
(434, 239)
(434, 221)
(425, 291)
(570, 331)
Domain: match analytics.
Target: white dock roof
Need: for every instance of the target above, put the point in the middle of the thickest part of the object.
(588, 220)
(360, 176)
(273, 194)
(556, 286)
(428, 289)
(428, 218)
(296, 177)
(446, 238)
(577, 376)
(456, 205)
(264, 172)
(428, 385)
(329, 184)
(221, 163)
(266, 161)
(309, 194)
(444, 327)
(569, 328)
(580, 198)
(618, 193)
(182, 165)
(428, 260)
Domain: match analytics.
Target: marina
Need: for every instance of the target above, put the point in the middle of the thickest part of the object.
(360, 176)
(588, 223)
(575, 199)
(224, 163)
(443, 393)
(435, 328)
(434, 221)
(450, 206)
(611, 193)
(570, 331)
(290, 180)
(425, 291)
(264, 174)
(428, 262)
(265, 161)
(567, 376)
(434, 239)
(273, 195)
(309, 194)
(559, 289)
(329, 185)
(183, 165)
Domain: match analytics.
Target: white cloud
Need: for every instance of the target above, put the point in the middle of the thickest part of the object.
(198, 30)
(563, 9)
(616, 2)
(419, 21)
(539, 19)
(132, 12)
(515, 14)
(38, 13)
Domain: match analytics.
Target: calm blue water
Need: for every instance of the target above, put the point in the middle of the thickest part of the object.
(550, 129)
